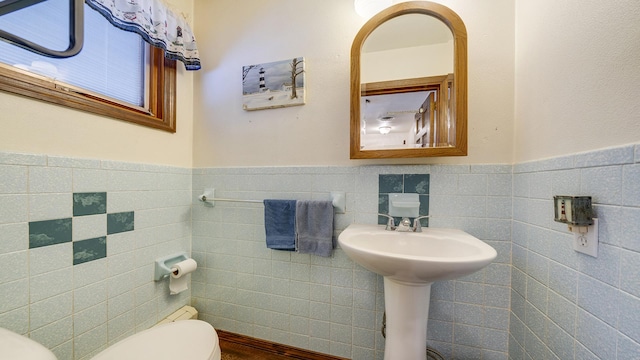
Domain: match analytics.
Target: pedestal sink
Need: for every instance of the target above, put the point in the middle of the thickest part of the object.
(410, 262)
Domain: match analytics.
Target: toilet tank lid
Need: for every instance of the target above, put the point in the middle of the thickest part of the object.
(185, 339)
(15, 346)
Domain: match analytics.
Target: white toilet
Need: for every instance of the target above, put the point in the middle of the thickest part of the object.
(18, 347)
(187, 339)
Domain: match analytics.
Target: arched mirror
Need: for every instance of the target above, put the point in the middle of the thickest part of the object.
(409, 84)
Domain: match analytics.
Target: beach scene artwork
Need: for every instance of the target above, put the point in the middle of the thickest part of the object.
(273, 85)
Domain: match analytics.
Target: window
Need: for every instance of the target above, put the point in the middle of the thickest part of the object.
(116, 74)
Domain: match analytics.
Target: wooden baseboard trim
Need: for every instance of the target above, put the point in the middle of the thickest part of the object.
(274, 348)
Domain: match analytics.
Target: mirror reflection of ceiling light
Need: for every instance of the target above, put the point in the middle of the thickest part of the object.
(368, 8)
(384, 130)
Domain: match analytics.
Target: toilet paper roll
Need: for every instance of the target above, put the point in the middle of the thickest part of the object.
(178, 280)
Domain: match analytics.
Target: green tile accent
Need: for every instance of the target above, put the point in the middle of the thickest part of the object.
(407, 183)
(120, 222)
(424, 209)
(383, 208)
(89, 250)
(424, 205)
(389, 184)
(416, 183)
(49, 232)
(89, 203)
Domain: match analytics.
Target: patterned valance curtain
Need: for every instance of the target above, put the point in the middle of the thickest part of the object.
(157, 25)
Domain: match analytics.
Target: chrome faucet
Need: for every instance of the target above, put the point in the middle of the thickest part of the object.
(405, 224)
(417, 227)
(391, 225)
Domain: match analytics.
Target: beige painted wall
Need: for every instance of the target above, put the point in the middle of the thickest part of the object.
(578, 76)
(233, 33)
(30, 126)
(575, 63)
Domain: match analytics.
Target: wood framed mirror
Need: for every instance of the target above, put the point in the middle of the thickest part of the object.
(409, 84)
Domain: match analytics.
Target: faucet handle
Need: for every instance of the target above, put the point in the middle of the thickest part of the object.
(390, 222)
(417, 227)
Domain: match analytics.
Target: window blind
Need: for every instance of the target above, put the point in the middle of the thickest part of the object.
(111, 62)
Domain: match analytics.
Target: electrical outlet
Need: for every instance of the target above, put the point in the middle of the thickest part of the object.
(587, 243)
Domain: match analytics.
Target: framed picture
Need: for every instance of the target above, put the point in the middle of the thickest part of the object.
(273, 85)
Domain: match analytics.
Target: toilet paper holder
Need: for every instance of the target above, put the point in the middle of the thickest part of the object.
(164, 264)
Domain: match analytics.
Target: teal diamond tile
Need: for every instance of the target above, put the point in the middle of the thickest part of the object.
(120, 222)
(416, 183)
(424, 205)
(49, 232)
(389, 184)
(89, 203)
(383, 208)
(89, 250)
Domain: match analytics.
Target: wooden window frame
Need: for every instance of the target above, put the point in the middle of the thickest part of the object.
(161, 89)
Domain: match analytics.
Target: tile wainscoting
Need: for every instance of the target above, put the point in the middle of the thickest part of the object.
(331, 305)
(539, 299)
(80, 237)
(565, 304)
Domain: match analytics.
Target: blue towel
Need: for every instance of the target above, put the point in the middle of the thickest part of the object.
(314, 224)
(279, 224)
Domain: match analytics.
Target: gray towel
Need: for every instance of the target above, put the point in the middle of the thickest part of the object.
(314, 225)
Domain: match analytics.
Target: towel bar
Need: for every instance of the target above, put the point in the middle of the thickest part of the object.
(206, 199)
(338, 198)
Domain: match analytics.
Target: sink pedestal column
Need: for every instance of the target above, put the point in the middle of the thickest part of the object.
(407, 308)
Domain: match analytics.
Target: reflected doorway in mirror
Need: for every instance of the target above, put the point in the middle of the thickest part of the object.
(273, 85)
(416, 113)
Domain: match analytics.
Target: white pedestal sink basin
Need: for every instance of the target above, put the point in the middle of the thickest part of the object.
(410, 262)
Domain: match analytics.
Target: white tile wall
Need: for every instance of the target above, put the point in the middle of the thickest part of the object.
(332, 305)
(50, 206)
(539, 299)
(542, 317)
(78, 310)
(89, 226)
(566, 305)
(13, 179)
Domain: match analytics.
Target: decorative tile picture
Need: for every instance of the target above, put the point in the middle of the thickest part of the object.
(273, 85)
(407, 183)
(120, 222)
(89, 250)
(89, 213)
(49, 232)
(89, 203)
